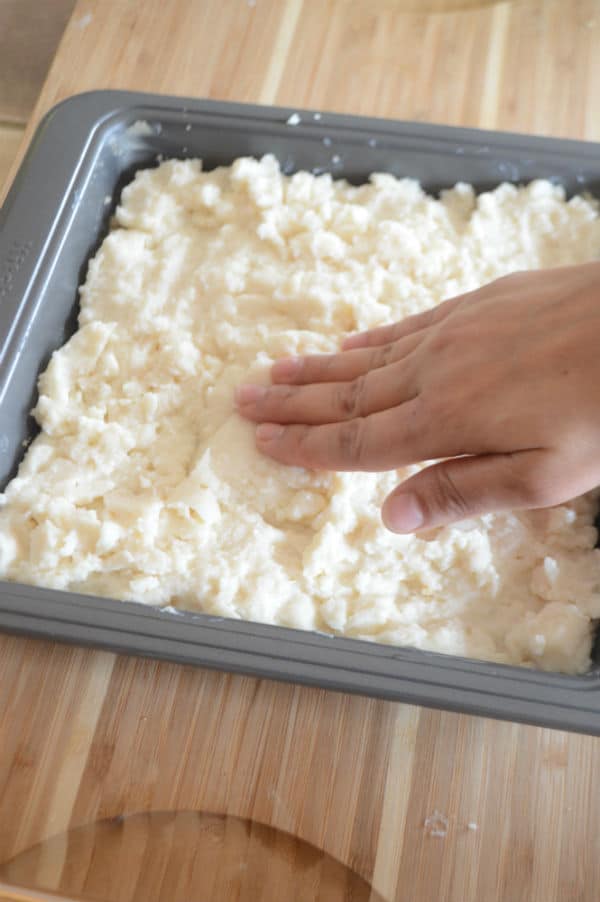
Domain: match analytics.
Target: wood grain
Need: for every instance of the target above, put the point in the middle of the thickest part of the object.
(357, 778)
(86, 736)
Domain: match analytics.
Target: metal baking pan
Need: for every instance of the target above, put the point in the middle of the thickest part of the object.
(54, 218)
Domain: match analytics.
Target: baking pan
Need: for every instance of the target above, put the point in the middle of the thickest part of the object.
(54, 218)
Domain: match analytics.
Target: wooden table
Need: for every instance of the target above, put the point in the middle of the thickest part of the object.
(87, 735)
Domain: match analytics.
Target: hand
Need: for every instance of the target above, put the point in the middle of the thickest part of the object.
(503, 382)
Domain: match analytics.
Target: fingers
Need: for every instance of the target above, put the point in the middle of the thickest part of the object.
(340, 367)
(381, 441)
(471, 486)
(408, 326)
(327, 402)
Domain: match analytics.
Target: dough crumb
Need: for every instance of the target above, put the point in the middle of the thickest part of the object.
(436, 825)
(294, 119)
(141, 128)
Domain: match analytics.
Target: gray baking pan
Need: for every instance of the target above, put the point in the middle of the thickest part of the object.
(53, 220)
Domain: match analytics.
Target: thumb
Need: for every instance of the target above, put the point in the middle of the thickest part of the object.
(470, 486)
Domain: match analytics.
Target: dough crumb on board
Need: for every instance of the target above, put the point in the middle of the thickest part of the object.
(436, 825)
(144, 483)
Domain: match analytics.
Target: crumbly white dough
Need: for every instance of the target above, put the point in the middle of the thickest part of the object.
(145, 484)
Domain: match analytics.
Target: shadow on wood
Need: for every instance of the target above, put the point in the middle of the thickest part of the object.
(181, 856)
(29, 35)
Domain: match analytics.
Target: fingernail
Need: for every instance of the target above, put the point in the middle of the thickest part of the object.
(403, 513)
(286, 367)
(266, 432)
(247, 394)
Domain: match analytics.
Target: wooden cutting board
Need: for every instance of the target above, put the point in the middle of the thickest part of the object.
(146, 763)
